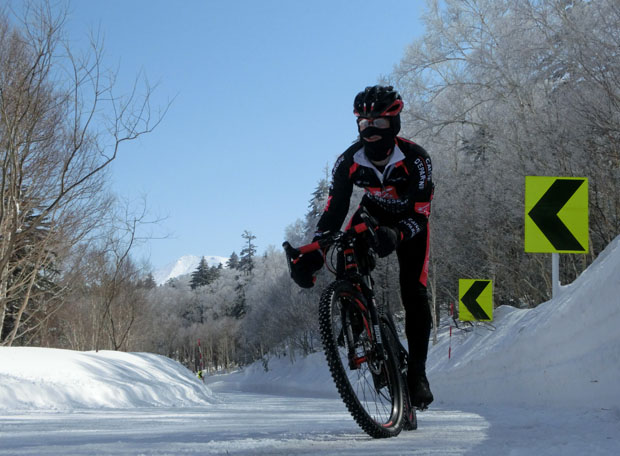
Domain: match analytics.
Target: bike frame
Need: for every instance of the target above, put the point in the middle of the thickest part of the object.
(352, 272)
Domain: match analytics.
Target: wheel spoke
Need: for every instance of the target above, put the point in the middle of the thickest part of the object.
(378, 404)
(371, 388)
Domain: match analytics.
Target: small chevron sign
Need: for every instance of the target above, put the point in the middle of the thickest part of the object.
(556, 214)
(476, 300)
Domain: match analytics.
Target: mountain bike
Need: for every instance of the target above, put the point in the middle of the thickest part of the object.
(365, 357)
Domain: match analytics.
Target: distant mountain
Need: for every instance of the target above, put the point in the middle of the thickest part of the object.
(184, 265)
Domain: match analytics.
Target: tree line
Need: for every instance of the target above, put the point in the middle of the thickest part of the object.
(499, 90)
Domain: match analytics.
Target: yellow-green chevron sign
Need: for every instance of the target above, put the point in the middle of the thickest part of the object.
(556, 214)
(475, 300)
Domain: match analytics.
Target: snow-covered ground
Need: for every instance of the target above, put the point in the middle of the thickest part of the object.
(544, 381)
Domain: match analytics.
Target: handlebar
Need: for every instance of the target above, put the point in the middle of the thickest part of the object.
(368, 225)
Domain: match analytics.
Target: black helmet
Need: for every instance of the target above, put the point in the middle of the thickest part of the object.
(378, 101)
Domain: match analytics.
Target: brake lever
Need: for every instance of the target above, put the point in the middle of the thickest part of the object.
(371, 223)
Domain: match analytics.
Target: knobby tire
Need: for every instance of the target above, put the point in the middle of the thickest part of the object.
(375, 400)
(411, 419)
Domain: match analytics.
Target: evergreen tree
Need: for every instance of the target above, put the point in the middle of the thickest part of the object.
(28, 279)
(233, 261)
(201, 276)
(238, 308)
(316, 207)
(148, 282)
(214, 273)
(478, 145)
(246, 262)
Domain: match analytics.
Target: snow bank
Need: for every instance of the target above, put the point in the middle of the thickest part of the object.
(45, 378)
(565, 352)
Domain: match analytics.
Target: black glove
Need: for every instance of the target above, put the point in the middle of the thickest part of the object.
(387, 240)
(303, 270)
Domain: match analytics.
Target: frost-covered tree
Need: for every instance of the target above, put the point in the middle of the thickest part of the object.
(246, 260)
(281, 318)
(500, 89)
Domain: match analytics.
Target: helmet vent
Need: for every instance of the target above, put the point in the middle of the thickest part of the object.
(378, 101)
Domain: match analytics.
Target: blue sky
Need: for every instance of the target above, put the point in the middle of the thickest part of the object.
(263, 94)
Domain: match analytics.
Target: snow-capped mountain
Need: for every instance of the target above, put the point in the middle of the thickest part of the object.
(184, 265)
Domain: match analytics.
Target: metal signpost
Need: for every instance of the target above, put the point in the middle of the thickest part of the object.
(556, 218)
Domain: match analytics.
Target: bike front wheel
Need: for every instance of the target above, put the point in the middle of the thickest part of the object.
(369, 383)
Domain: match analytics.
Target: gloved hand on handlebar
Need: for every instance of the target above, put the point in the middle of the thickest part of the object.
(304, 268)
(387, 239)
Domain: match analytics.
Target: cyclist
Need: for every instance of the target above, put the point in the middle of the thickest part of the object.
(397, 177)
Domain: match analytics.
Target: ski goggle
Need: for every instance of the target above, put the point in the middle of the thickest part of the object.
(379, 122)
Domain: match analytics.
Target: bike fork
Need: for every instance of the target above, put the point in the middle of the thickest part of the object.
(374, 318)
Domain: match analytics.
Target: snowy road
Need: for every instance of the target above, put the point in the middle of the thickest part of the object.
(250, 424)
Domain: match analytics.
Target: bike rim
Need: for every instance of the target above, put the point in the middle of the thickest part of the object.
(368, 378)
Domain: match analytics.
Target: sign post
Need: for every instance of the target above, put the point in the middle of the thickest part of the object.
(556, 218)
(555, 274)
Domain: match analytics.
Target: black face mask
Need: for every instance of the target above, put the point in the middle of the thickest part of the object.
(378, 150)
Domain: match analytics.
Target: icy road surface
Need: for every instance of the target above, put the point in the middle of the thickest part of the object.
(255, 424)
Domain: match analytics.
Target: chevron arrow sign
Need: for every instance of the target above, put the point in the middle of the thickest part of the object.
(556, 214)
(476, 300)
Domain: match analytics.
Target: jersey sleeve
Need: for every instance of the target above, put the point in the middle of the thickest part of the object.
(338, 199)
(419, 196)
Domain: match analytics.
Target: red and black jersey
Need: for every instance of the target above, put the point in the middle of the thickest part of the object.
(400, 196)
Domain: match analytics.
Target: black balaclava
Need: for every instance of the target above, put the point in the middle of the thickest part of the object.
(379, 150)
